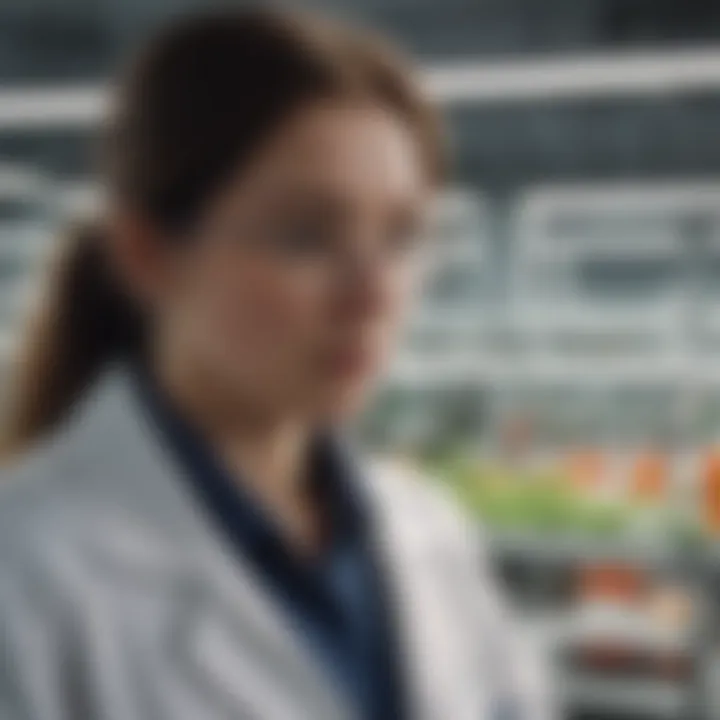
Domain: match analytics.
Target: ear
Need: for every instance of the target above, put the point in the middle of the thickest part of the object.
(139, 253)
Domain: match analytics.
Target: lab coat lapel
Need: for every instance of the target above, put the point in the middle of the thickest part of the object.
(435, 647)
(231, 640)
(239, 643)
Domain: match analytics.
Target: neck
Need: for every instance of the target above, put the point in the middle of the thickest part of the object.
(267, 454)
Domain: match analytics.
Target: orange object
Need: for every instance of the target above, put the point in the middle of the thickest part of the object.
(649, 476)
(611, 581)
(710, 476)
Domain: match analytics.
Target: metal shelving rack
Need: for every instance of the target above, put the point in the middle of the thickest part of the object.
(624, 698)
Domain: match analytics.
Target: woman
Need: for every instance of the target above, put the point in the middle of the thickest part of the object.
(183, 533)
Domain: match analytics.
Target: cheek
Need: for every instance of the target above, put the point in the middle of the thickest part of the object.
(256, 314)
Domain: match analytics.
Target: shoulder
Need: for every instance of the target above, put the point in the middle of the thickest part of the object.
(45, 507)
(426, 504)
(42, 576)
(43, 479)
(65, 485)
(456, 558)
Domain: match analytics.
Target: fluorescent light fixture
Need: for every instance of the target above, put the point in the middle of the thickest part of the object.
(576, 76)
(474, 81)
(44, 108)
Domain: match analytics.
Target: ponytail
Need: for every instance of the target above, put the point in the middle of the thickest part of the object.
(84, 322)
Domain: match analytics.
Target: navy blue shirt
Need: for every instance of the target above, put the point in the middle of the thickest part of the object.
(336, 603)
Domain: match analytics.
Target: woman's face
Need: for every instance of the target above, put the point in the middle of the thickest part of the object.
(292, 290)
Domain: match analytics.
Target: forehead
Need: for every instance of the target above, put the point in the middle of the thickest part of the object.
(349, 150)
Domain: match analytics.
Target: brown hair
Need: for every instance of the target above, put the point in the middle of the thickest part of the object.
(194, 106)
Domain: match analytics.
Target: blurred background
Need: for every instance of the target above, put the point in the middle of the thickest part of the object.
(562, 374)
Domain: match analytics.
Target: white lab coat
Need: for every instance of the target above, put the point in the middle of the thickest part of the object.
(119, 600)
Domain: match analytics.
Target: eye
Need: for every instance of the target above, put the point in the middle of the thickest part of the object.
(302, 238)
